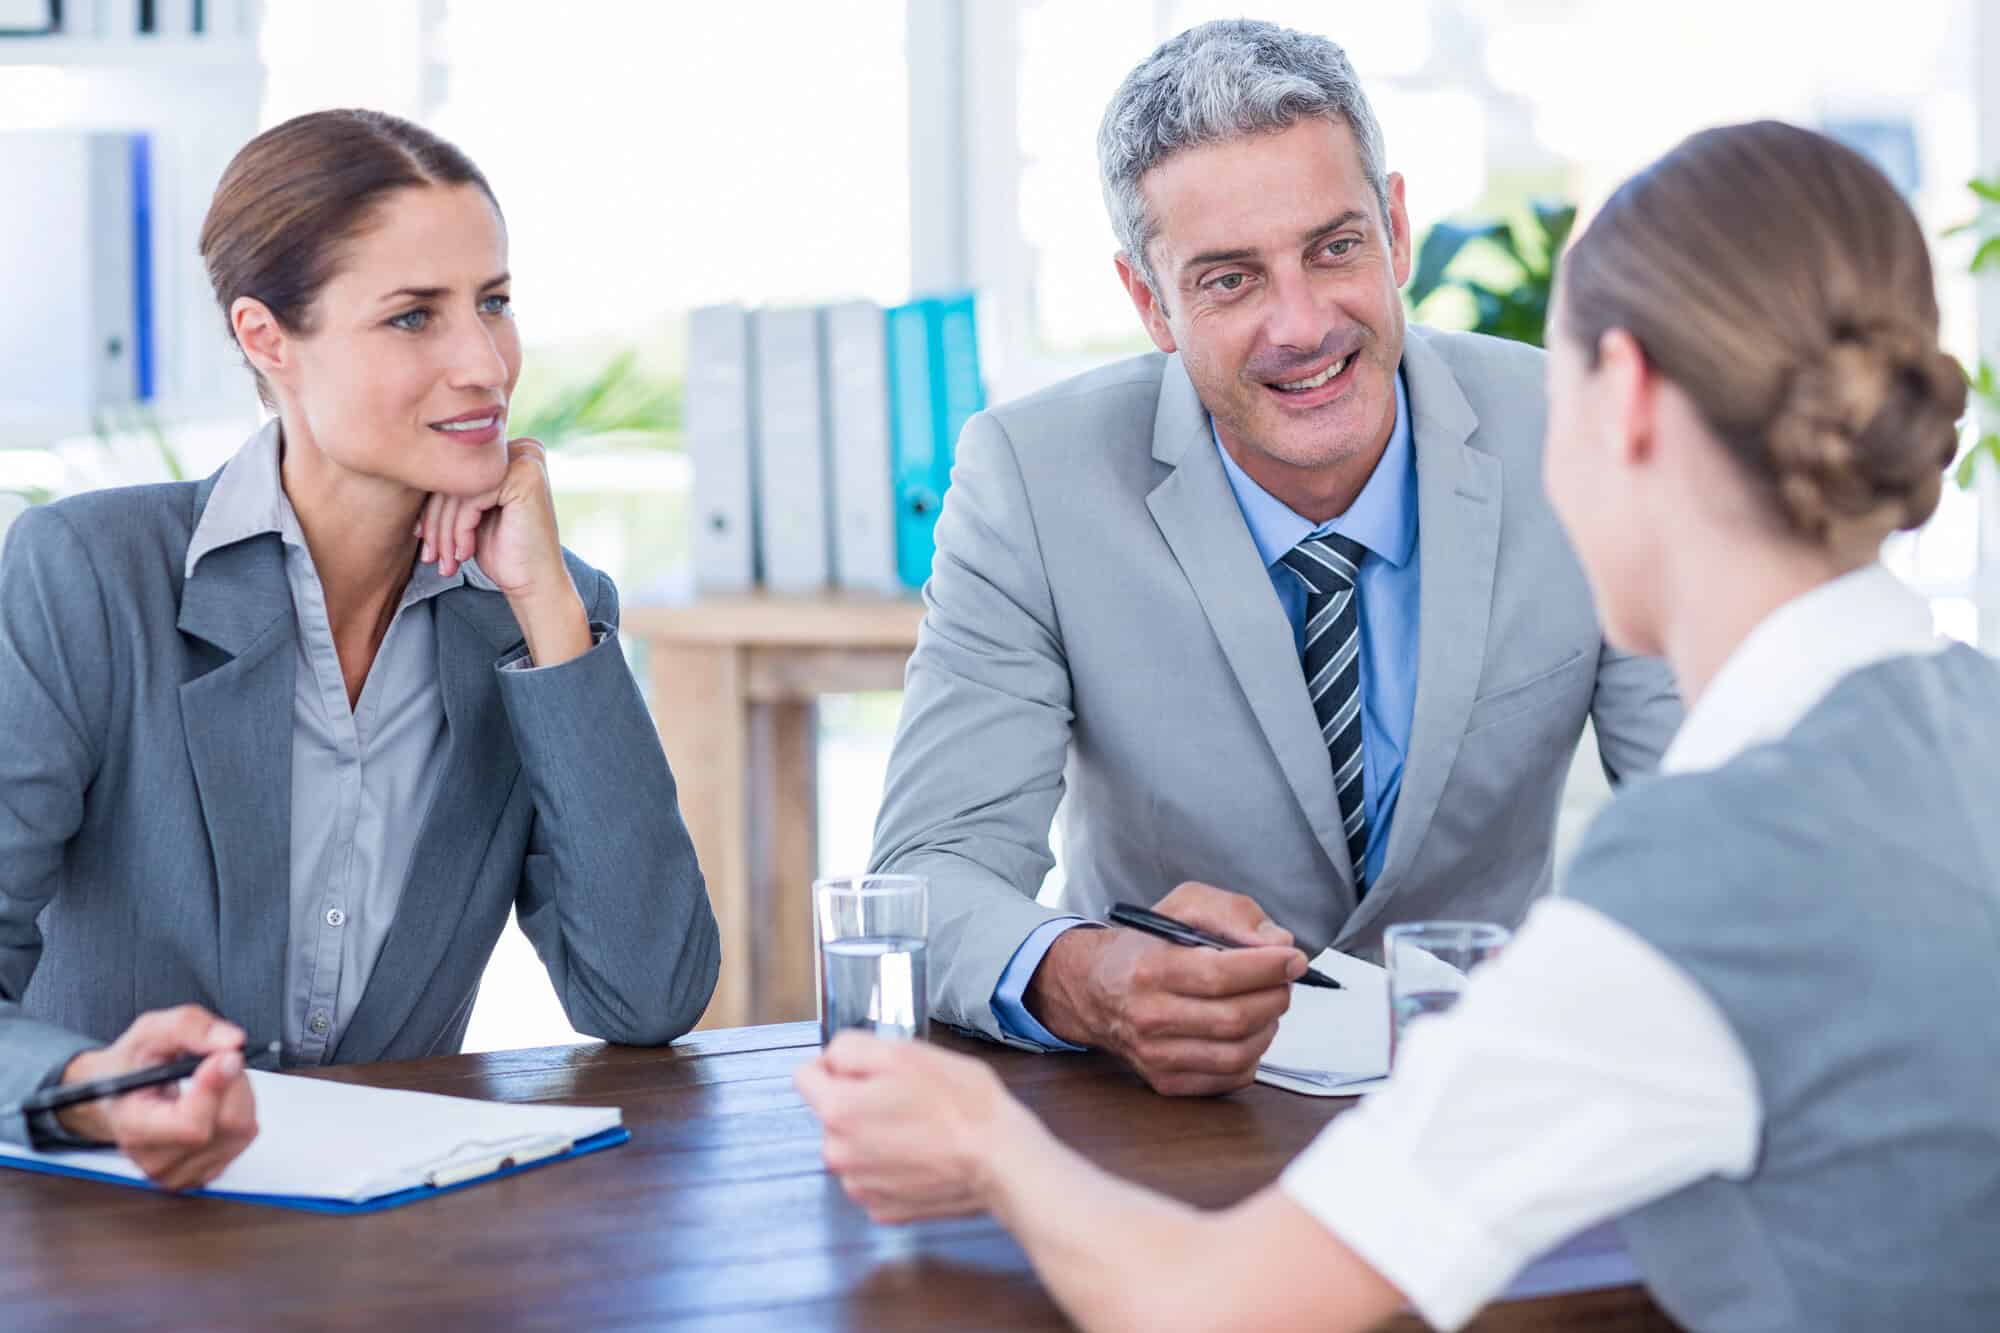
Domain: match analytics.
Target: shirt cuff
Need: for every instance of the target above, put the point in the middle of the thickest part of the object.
(520, 661)
(1009, 1005)
(45, 1131)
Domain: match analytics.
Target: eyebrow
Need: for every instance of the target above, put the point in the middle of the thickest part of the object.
(433, 293)
(1207, 257)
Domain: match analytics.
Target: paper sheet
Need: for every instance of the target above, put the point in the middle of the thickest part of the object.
(343, 1141)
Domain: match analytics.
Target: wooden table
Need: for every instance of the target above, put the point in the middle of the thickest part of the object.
(716, 1216)
(733, 685)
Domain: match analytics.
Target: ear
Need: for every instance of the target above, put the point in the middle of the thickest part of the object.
(1399, 231)
(266, 345)
(1632, 390)
(1144, 300)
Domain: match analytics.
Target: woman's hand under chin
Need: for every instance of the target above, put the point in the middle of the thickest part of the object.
(511, 532)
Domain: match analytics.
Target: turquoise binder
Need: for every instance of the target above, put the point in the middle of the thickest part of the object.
(934, 388)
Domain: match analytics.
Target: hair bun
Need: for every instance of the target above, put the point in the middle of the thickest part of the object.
(1863, 433)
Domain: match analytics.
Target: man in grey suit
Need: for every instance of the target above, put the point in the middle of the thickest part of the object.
(1281, 610)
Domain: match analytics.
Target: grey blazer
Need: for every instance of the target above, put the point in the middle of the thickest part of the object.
(1100, 632)
(145, 805)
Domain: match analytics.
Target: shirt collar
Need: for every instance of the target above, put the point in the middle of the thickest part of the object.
(249, 500)
(1794, 658)
(1382, 518)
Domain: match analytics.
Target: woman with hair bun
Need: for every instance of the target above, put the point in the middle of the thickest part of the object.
(286, 746)
(1756, 1024)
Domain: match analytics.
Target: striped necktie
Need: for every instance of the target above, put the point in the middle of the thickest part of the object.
(1332, 661)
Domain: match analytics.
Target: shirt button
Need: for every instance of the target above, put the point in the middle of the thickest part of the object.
(335, 917)
(320, 1024)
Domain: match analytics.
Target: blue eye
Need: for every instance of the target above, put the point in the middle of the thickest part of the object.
(1338, 249)
(411, 321)
(497, 305)
(1229, 282)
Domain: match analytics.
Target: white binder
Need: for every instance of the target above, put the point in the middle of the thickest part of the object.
(857, 396)
(794, 491)
(721, 438)
(69, 222)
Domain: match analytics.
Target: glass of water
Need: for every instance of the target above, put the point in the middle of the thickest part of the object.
(870, 930)
(1428, 962)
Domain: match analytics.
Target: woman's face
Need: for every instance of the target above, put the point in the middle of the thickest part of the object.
(411, 351)
(1596, 492)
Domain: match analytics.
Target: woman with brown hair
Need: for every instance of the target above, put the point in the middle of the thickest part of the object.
(1754, 1027)
(287, 745)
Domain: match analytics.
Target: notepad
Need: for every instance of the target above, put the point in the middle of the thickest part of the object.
(1333, 1043)
(341, 1147)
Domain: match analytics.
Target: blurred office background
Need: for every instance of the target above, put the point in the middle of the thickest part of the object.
(652, 158)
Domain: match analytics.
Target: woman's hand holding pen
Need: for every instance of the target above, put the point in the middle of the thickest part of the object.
(511, 532)
(181, 1136)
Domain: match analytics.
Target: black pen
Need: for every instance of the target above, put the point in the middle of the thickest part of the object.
(71, 1094)
(1180, 932)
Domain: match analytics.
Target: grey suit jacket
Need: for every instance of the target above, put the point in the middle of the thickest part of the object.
(1101, 633)
(145, 805)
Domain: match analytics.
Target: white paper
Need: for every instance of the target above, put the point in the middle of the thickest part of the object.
(323, 1140)
(1333, 1043)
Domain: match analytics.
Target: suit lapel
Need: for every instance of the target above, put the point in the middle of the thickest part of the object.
(1197, 514)
(473, 629)
(237, 718)
(1458, 535)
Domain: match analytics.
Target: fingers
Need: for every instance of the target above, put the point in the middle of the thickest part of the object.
(184, 1140)
(1218, 973)
(1230, 915)
(1181, 1083)
(164, 1034)
(463, 532)
(430, 522)
(1160, 1016)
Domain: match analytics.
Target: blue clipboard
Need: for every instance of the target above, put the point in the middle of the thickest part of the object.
(609, 1138)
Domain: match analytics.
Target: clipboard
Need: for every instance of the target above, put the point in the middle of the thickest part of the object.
(344, 1149)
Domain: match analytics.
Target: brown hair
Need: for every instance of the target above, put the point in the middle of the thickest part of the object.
(295, 194)
(1779, 280)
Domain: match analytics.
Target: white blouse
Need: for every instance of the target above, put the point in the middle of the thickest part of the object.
(1583, 1074)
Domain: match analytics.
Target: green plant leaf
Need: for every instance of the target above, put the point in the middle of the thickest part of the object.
(1441, 245)
(1555, 219)
(1988, 253)
(1986, 187)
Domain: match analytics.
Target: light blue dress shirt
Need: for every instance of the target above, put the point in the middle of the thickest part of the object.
(1382, 518)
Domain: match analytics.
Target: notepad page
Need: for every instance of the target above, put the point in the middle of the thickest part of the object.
(1343, 1033)
(324, 1140)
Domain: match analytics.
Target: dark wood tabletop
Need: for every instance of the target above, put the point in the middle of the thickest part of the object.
(717, 1215)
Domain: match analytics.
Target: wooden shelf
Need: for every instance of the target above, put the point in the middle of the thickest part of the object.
(828, 620)
(153, 54)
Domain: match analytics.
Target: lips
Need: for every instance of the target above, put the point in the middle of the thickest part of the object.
(481, 426)
(1314, 381)
(1316, 387)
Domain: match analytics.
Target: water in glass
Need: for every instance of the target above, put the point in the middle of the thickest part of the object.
(875, 983)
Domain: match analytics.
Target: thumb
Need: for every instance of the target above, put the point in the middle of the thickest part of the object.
(210, 1083)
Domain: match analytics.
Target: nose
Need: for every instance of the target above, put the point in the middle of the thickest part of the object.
(1295, 315)
(475, 360)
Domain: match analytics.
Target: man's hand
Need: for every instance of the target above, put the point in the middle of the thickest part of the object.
(181, 1135)
(1191, 1021)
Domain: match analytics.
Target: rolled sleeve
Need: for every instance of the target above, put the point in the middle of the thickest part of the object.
(1583, 1075)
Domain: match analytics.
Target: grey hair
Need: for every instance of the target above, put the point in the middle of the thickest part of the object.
(1216, 82)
